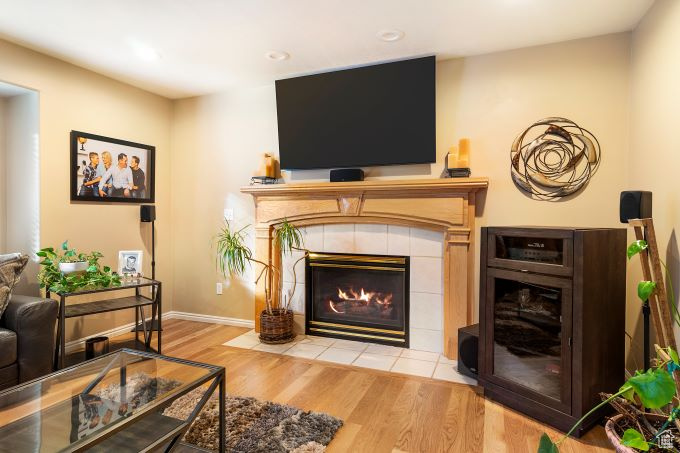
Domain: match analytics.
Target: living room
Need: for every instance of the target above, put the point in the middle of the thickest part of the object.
(539, 128)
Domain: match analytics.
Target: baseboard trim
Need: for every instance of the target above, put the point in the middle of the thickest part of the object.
(237, 322)
(75, 345)
(78, 344)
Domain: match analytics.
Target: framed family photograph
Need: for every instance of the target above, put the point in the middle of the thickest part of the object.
(106, 170)
(130, 262)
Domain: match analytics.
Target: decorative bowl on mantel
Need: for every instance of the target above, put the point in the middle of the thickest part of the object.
(78, 267)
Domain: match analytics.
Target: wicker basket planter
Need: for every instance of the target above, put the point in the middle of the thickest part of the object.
(612, 435)
(277, 327)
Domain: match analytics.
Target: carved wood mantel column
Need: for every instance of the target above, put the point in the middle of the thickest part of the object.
(446, 205)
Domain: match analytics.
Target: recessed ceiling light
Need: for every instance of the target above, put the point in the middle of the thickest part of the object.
(390, 35)
(277, 55)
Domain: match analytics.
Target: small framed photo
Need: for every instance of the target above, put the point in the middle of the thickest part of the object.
(106, 170)
(130, 262)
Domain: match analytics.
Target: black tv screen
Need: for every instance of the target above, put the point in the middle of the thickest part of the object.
(373, 115)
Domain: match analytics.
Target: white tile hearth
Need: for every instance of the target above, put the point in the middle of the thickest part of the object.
(323, 341)
(337, 355)
(420, 355)
(244, 341)
(276, 348)
(384, 350)
(305, 350)
(375, 361)
(347, 344)
(414, 367)
(447, 372)
(356, 353)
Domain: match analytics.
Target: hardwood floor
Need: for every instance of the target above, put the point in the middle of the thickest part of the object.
(382, 412)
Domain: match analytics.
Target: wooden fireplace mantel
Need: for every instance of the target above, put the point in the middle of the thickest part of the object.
(446, 205)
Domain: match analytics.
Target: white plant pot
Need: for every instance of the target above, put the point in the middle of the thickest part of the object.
(73, 268)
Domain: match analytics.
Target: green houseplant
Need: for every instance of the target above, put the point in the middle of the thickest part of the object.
(647, 405)
(233, 255)
(66, 271)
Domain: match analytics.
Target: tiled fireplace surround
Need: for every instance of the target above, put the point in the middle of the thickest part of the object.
(423, 246)
(430, 220)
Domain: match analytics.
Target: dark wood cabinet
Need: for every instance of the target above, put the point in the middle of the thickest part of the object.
(552, 319)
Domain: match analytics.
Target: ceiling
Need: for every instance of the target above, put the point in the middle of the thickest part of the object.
(180, 48)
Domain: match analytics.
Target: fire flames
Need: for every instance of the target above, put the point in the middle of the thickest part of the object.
(351, 298)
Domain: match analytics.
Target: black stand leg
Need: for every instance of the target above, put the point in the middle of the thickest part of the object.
(222, 396)
(645, 325)
(150, 325)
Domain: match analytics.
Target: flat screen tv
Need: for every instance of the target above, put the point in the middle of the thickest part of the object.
(382, 114)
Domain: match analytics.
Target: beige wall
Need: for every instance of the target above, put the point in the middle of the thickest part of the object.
(655, 145)
(217, 141)
(74, 98)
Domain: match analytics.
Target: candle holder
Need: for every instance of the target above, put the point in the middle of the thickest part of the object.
(458, 160)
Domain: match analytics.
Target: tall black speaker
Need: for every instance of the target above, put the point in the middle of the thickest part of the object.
(468, 347)
(635, 204)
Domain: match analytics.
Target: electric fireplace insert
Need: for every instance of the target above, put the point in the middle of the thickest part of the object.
(358, 297)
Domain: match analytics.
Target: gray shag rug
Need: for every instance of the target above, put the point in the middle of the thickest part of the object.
(252, 426)
(256, 426)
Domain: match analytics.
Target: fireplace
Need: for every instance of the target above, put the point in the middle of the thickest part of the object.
(358, 297)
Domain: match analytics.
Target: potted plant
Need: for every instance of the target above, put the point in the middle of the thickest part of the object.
(276, 320)
(68, 271)
(647, 405)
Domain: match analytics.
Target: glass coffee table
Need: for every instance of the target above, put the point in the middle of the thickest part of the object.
(113, 403)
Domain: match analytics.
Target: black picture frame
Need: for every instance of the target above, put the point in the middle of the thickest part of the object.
(80, 160)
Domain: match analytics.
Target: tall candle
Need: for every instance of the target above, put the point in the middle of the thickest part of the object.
(464, 153)
(269, 166)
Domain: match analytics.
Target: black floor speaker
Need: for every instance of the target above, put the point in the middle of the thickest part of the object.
(635, 204)
(468, 345)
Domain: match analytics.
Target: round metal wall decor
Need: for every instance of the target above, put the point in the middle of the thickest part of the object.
(553, 158)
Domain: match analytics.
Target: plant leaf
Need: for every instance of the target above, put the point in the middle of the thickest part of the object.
(629, 393)
(674, 355)
(64, 245)
(636, 247)
(546, 445)
(645, 289)
(633, 438)
(654, 388)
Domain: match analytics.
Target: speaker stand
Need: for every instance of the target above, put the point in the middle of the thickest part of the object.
(139, 327)
(645, 334)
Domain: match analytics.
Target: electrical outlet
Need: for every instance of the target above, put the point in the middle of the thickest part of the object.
(229, 214)
(218, 288)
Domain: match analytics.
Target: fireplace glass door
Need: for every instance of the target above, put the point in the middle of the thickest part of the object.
(359, 297)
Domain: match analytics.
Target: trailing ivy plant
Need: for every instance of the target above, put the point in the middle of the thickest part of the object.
(95, 276)
(653, 389)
